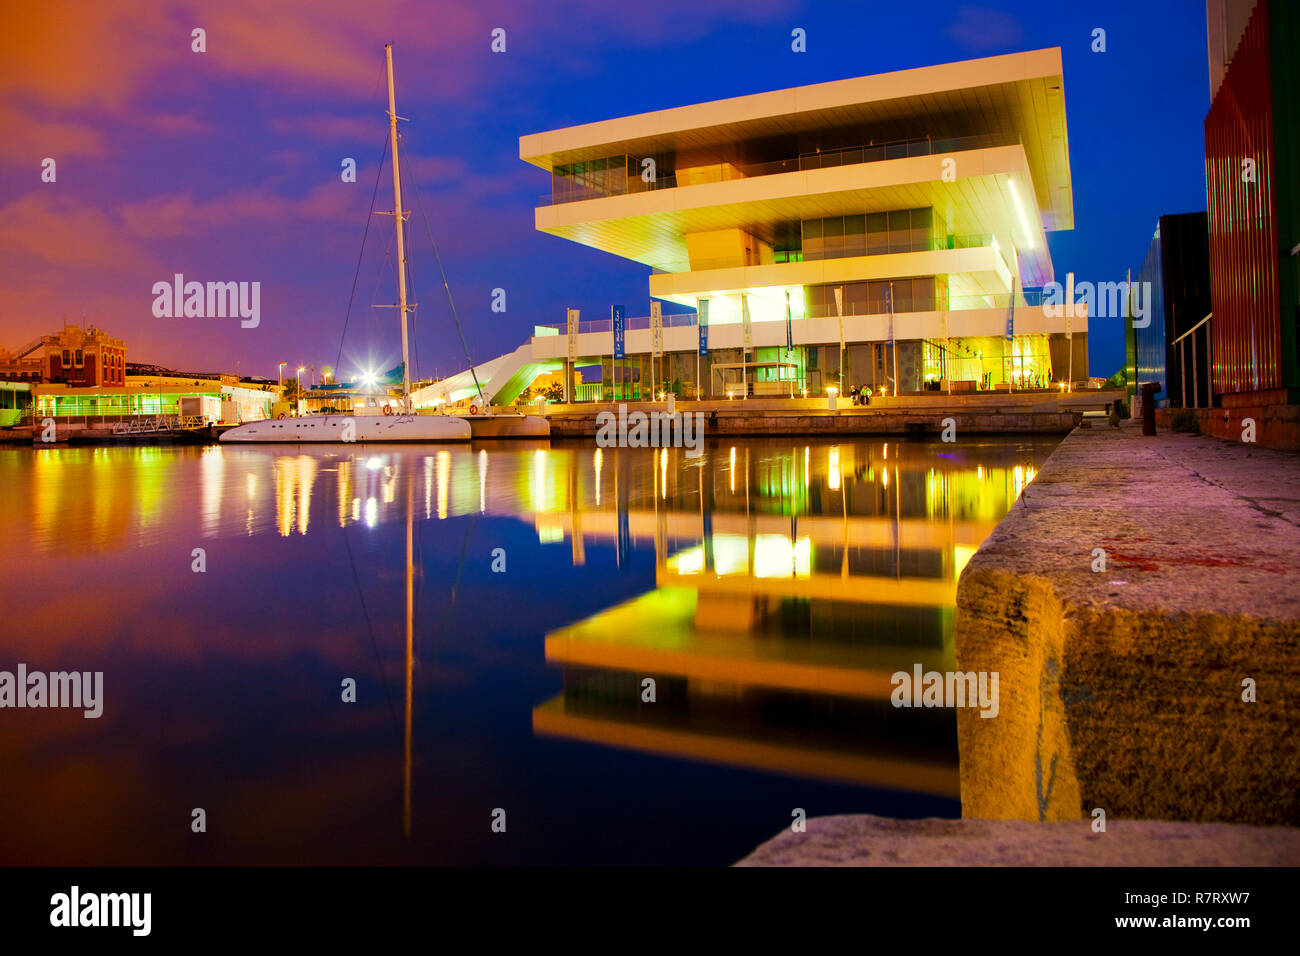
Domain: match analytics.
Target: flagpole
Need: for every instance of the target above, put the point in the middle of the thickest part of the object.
(1069, 333)
(893, 338)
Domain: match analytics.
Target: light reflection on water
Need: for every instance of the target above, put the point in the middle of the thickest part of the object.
(769, 588)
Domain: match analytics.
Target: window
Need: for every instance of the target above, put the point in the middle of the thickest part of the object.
(812, 239)
(855, 235)
(900, 230)
(833, 237)
(923, 295)
(855, 298)
(903, 296)
(922, 225)
(67, 358)
(877, 233)
(877, 302)
(80, 359)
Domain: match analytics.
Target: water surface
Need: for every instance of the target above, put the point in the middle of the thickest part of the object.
(768, 589)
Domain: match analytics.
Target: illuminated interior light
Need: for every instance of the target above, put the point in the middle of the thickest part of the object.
(690, 561)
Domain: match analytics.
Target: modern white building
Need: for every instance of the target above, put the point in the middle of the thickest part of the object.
(886, 230)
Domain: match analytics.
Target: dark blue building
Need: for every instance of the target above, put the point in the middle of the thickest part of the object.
(1173, 349)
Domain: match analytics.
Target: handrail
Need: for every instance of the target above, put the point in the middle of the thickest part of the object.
(1193, 328)
(845, 156)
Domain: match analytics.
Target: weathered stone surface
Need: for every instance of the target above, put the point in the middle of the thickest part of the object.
(1276, 426)
(973, 415)
(1122, 689)
(863, 840)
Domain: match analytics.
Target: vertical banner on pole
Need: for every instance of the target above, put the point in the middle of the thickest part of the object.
(893, 342)
(839, 313)
(573, 353)
(656, 344)
(702, 329)
(746, 327)
(789, 338)
(789, 327)
(1069, 331)
(620, 351)
(1011, 330)
(747, 331)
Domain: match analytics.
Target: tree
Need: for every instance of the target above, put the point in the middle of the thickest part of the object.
(1118, 380)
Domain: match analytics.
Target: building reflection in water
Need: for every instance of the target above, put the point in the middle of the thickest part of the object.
(792, 580)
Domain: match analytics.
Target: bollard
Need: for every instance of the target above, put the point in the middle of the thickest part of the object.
(1149, 390)
(831, 393)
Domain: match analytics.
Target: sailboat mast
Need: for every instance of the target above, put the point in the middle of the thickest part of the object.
(399, 217)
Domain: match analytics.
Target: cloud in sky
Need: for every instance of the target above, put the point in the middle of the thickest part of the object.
(226, 163)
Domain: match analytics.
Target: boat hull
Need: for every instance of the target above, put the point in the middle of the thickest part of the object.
(352, 429)
(509, 426)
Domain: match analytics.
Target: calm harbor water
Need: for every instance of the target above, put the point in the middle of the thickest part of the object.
(768, 588)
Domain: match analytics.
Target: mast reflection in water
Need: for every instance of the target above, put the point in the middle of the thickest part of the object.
(768, 589)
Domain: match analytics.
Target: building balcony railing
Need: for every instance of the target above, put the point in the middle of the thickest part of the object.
(1028, 298)
(846, 247)
(566, 190)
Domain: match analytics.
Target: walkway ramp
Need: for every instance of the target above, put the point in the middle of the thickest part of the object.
(502, 379)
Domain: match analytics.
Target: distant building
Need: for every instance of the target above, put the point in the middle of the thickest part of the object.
(1173, 348)
(19, 366)
(148, 396)
(86, 357)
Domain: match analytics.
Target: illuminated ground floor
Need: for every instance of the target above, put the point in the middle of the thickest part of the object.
(972, 364)
(61, 402)
(956, 351)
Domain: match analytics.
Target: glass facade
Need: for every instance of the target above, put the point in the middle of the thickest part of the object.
(923, 294)
(869, 234)
(608, 176)
(591, 179)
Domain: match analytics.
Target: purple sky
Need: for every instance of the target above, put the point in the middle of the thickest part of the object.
(224, 165)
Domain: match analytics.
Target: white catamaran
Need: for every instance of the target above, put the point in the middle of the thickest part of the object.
(404, 427)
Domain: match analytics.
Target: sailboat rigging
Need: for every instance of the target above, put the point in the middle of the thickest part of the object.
(404, 427)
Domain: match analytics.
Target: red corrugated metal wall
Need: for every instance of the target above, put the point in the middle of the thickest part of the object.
(1242, 220)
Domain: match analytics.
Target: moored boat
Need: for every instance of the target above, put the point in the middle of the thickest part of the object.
(353, 428)
(508, 425)
(402, 427)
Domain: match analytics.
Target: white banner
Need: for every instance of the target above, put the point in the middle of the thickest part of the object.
(746, 329)
(656, 329)
(573, 334)
(839, 311)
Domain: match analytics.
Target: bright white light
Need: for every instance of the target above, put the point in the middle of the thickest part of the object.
(1020, 210)
(690, 561)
